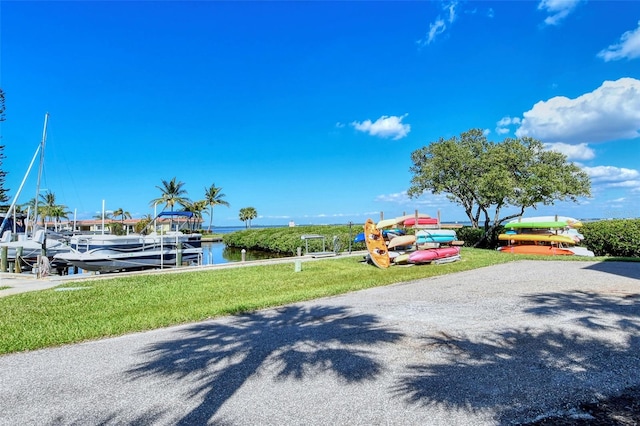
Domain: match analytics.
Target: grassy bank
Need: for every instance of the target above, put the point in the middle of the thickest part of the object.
(120, 305)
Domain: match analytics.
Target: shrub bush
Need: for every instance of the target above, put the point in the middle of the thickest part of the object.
(469, 235)
(619, 238)
(288, 239)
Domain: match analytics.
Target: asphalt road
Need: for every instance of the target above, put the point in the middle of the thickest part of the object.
(499, 345)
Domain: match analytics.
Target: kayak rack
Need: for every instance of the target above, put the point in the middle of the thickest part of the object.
(324, 252)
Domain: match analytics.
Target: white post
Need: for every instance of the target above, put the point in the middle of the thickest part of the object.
(75, 212)
(155, 215)
(102, 217)
(26, 224)
(161, 251)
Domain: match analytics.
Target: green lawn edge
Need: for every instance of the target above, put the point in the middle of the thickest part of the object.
(126, 304)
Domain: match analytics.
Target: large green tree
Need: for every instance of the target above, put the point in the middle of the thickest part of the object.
(214, 197)
(486, 177)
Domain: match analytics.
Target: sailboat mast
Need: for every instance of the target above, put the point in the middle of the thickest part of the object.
(24, 179)
(42, 144)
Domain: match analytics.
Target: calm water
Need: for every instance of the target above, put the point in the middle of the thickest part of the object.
(218, 253)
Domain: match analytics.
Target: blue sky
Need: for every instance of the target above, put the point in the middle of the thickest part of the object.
(309, 111)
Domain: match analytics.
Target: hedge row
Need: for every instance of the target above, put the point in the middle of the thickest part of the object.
(287, 240)
(618, 238)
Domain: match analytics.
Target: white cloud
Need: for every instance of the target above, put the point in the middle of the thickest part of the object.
(557, 9)
(435, 28)
(504, 123)
(397, 197)
(573, 152)
(384, 127)
(613, 176)
(426, 199)
(627, 48)
(439, 26)
(610, 112)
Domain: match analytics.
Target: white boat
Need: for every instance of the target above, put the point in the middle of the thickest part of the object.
(32, 247)
(111, 253)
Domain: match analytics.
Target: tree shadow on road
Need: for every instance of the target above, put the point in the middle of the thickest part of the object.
(587, 347)
(624, 269)
(219, 356)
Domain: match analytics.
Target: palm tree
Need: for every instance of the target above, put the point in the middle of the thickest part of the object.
(122, 214)
(247, 214)
(50, 210)
(214, 197)
(98, 216)
(47, 208)
(142, 224)
(172, 194)
(48, 200)
(119, 212)
(197, 207)
(29, 205)
(56, 213)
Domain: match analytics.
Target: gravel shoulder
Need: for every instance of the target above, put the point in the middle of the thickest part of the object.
(530, 342)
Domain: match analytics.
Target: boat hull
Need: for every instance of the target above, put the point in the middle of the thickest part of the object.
(110, 253)
(108, 260)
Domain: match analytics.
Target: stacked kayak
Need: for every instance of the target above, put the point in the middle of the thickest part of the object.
(435, 236)
(426, 246)
(544, 235)
(436, 255)
(376, 245)
(409, 240)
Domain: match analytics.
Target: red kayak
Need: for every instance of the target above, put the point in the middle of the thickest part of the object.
(429, 255)
(421, 221)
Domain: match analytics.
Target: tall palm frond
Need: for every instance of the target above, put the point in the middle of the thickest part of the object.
(214, 197)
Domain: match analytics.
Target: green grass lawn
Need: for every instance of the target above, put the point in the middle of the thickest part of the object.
(120, 305)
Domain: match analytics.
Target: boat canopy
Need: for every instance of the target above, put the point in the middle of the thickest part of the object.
(171, 214)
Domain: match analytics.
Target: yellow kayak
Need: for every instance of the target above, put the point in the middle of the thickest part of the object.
(548, 238)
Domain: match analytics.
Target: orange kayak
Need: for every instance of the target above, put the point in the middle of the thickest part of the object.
(538, 250)
(376, 245)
